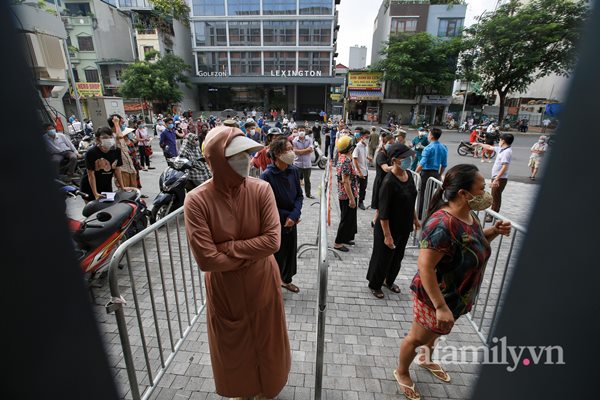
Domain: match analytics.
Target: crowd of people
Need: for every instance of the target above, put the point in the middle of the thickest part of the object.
(224, 240)
(249, 256)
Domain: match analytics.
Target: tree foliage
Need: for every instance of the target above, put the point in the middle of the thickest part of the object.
(176, 9)
(420, 60)
(508, 49)
(156, 81)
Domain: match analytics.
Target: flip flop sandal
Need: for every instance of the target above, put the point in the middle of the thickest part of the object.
(377, 293)
(403, 388)
(394, 288)
(291, 287)
(343, 249)
(435, 372)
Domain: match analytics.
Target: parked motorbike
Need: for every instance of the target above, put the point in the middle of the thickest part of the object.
(172, 184)
(463, 127)
(98, 236)
(317, 157)
(141, 216)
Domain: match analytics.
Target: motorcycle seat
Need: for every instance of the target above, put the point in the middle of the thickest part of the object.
(101, 225)
(96, 205)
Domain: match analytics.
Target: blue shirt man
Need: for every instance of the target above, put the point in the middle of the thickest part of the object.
(434, 161)
(168, 140)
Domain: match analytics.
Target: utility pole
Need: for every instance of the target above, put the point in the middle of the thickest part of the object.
(462, 115)
(70, 72)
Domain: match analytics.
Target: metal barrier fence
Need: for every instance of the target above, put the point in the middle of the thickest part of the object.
(168, 297)
(322, 280)
(504, 254)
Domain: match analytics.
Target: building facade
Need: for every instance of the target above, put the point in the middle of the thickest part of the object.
(413, 16)
(265, 54)
(358, 57)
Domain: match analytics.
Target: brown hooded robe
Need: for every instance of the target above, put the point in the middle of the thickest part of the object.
(233, 227)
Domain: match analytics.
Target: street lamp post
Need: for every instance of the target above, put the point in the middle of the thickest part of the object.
(462, 115)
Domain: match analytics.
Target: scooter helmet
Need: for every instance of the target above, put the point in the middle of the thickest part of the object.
(274, 131)
(345, 144)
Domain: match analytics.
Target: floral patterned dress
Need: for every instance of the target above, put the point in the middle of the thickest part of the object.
(460, 272)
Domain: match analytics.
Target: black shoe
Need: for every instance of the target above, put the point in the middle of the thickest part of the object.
(350, 243)
(361, 206)
(310, 196)
(144, 196)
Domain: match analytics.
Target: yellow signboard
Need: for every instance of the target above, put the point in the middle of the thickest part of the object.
(89, 89)
(336, 96)
(365, 80)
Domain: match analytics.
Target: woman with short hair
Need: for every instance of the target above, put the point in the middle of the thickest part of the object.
(284, 179)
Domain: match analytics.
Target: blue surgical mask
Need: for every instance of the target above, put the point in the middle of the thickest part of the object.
(170, 126)
(51, 132)
(142, 126)
(357, 136)
(388, 147)
(123, 127)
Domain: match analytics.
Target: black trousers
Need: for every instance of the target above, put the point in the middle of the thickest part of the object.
(362, 188)
(348, 225)
(144, 158)
(305, 176)
(327, 144)
(425, 175)
(497, 194)
(286, 257)
(385, 263)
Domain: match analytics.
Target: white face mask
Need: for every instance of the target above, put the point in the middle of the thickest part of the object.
(288, 157)
(108, 143)
(240, 163)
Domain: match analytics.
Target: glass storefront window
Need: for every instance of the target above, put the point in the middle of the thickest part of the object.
(245, 63)
(315, 33)
(314, 61)
(212, 62)
(202, 8)
(279, 7)
(244, 33)
(279, 61)
(210, 33)
(243, 7)
(279, 33)
(316, 7)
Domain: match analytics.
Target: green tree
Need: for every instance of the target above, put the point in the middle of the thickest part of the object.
(508, 49)
(157, 82)
(420, 61)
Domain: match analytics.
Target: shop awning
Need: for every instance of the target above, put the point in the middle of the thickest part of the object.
(365, 95)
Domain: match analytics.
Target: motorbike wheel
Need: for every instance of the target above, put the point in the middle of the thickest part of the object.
(159, 213)
(462, 150)
(322, 163)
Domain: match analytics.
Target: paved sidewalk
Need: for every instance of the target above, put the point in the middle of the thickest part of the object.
(362, 333)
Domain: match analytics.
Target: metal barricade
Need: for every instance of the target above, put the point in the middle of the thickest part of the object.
(165, 284)
(415, 234)
(322, 279)
(489, 299)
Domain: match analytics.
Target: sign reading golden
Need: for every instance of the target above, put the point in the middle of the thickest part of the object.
(365, 80)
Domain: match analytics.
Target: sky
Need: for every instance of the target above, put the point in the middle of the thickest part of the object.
(356, 23)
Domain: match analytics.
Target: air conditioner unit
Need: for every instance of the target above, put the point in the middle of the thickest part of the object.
(47, 56)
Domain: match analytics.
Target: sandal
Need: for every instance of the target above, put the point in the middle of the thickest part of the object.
(291, 287)
(404, 389)
(342, 248)
(394, 288)
(444, 377)
(377, 293)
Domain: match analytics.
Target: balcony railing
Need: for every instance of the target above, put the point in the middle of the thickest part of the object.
(71, 21)
(135, 5)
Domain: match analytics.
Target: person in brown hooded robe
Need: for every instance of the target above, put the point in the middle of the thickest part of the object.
(233, 227)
